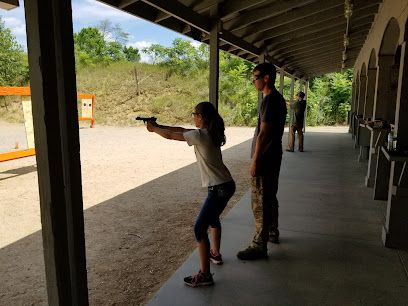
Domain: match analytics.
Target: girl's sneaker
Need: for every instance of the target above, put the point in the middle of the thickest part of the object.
(199, 279)
(216, 259)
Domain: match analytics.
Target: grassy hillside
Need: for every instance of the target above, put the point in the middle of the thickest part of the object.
(120, 98)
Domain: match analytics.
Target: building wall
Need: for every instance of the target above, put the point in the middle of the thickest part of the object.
(390, 8)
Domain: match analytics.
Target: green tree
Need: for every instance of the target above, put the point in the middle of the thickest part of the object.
(181, 58)
(13, 61)
(115, 51)
(91, 42)
(238, 98)
(329, 98)
(131, 54)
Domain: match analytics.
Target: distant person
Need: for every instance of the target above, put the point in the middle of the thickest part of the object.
(266, 156)
(297, 122)
(207, 140)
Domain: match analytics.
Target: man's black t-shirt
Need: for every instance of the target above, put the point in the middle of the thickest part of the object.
(272, 110)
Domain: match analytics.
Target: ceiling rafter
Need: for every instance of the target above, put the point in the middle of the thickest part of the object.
(270, 9)
(233, 6)
(323, 29)
(334, 24)
(316, 54)
(319, 41)
(334, 57)
(254, 32)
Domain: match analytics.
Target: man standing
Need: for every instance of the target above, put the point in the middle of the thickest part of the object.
(298, 119)
(266, 161)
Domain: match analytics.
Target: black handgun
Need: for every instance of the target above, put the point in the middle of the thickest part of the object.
(146, 119)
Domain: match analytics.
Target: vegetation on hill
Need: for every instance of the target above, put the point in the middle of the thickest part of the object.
(169, 86)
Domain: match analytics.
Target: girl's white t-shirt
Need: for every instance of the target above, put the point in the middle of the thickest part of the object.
(209, 158)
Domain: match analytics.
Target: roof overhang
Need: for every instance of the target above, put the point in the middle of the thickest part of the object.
(305, 37)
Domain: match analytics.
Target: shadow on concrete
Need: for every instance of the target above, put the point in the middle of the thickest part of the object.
(330, 251)
(18, 171)
(124, 238)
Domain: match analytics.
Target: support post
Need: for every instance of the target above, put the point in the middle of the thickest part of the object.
(304, 121)
(281, 80)
(262, 59)
(53, 91)
(214, 59)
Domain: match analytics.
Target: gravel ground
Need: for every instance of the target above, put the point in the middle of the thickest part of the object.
(141, 196)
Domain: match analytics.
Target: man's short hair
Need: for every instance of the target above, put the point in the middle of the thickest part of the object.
(267, 69)
(301, 94)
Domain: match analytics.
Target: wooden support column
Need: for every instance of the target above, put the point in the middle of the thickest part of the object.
(281, 80)
(262, 59)
(292, 89)
(8, 4)
(214, 58)
(306, 92)
(53, 91)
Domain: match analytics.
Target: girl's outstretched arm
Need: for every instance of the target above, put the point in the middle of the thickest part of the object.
(174, 133)
(177, 129)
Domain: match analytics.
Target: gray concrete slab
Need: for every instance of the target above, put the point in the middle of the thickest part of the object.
(330, 251)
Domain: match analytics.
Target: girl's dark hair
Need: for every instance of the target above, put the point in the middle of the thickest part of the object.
(213, 122)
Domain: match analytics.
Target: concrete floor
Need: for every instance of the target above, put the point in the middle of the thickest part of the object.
(330, 251)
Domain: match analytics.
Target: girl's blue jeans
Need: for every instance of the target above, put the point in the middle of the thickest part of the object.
(214, 204)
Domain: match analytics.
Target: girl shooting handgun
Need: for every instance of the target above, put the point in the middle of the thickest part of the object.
(207, 140)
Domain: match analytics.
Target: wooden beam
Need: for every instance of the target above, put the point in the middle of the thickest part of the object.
(8, 4)
(233, 6)
(323, 37)
(318, 42)
(332, 60)
(317, 31)
(326, 59)
(187, 15)
(269, 9)
(296, 16)
(318, 19)
(181, 12)
(336, 46)
(214, 61)
(281, 80)
(125, 3)
(51, 60)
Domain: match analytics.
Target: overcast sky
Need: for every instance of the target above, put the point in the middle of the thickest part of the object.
(88, 13)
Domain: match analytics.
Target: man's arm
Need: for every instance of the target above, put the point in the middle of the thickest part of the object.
(167, 132)
(264, 131)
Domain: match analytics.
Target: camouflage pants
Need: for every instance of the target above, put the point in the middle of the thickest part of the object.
(265, 204)
(292, 130)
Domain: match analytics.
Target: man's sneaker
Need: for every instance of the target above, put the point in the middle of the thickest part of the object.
(199, 279)
(216, 259)
(252, 253)
(274, 236)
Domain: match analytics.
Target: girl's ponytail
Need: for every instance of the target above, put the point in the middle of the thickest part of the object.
(213, 121)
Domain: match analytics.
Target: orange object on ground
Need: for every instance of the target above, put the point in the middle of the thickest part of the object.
(25, 91)
(16, 154)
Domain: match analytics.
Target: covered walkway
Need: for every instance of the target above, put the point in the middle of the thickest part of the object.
(330, 253)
